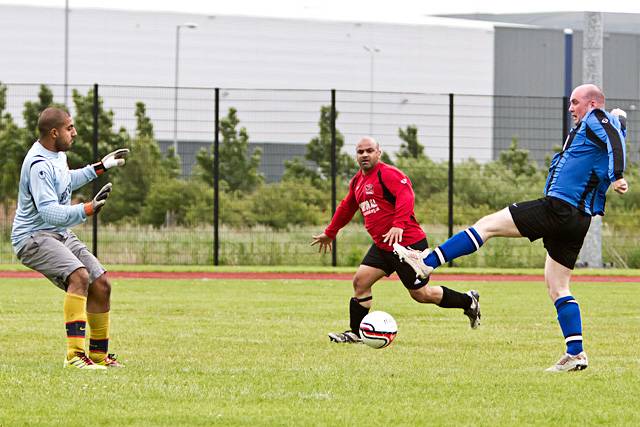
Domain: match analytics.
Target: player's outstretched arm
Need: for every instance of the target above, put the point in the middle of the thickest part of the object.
(80, 177)
(323, 241)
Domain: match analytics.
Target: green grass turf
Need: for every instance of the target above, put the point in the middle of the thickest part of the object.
(629, 272)
(256, 353)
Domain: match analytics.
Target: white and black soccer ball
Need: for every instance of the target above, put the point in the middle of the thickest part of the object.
(378, 329)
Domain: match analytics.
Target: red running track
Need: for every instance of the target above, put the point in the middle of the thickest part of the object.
(325, 276)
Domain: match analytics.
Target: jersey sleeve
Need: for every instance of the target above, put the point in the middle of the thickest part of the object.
(43, 192)
(345, 211)
(609, 130)
(400, 186)
(80, 177)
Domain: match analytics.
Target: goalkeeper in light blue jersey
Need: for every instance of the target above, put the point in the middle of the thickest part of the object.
(43, 242)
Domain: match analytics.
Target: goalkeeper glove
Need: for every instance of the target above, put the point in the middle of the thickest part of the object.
(115, 158)
(94, 206)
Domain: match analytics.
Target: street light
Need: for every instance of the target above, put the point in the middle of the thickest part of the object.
(175, 99)
(66, 51)
(372, 51)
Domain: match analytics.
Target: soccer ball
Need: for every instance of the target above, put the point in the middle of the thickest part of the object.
(378, 329)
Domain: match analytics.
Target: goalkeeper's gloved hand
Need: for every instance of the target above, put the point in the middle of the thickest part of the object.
(94, 206)
(622, 116)
(115, 158)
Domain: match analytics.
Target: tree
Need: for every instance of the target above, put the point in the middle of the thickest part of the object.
(410, 148)
(3, 102)
(517, 160)
(32, 110)
(238, 168)
(319, 152)
(108, 140)
(145, 169)
(13, 150)
(385, 158)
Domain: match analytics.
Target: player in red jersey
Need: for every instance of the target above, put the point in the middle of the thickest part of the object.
(384, 196)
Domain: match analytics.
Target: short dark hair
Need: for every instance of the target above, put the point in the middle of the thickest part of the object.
(51, 118)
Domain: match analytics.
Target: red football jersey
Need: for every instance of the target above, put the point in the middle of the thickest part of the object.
(380, 211)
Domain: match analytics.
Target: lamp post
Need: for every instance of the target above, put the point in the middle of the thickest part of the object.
(372, 51)
(175, 99)
(66, 51)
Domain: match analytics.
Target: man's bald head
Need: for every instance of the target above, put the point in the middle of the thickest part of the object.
(367, 153)
(592, 93)
(369, 140)
(585, 98)
(51, 118)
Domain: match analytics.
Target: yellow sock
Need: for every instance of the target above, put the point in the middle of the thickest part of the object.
(99, 338)
(75, 320)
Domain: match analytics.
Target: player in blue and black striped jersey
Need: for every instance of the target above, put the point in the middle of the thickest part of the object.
(592, 159)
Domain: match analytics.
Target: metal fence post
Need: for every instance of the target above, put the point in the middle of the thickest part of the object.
(216, 181)
(96, 102)
(450, 168)
(565, 118)
(334, 253)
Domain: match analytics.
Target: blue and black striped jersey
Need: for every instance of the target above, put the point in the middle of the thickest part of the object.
(593, 156)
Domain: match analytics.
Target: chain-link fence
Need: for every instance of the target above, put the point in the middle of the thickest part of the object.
(271, 185)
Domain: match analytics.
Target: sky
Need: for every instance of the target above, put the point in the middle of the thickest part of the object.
(344, 8)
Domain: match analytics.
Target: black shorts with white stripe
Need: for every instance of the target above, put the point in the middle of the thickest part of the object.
(561, 226)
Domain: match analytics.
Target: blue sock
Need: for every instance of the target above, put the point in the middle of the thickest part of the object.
(464, 243)
(570, 323)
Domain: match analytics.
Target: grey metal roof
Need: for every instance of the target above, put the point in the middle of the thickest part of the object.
(613, 22)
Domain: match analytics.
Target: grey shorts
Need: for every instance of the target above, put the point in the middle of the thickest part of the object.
(56, 256)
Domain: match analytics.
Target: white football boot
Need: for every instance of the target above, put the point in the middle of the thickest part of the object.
(568, 363)
(415, 259)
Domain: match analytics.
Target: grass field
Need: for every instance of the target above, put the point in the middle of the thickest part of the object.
(256, 353)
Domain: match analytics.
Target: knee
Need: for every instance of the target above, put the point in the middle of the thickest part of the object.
(78, 281)
(485, 226)
(360, 285)
(555, 293)
(101, 287)
(557, 290)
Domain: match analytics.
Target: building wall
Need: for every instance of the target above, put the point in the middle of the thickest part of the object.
(529, 82)
(293, 64)
(138, 48)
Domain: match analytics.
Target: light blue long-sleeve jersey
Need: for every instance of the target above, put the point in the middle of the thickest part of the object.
(44, 195)
(593, 156)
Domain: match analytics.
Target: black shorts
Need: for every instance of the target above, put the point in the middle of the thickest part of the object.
(561, 226)
(389, 262)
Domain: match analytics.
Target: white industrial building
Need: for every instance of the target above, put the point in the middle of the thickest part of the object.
(277, 72)
(413, 57)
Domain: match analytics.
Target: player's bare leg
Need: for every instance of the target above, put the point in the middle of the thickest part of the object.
(497, 224)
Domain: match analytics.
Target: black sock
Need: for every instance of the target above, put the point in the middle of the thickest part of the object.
(454, 299)
(357, 313)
